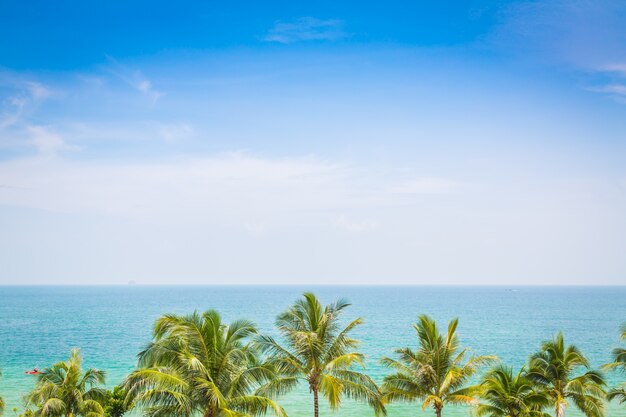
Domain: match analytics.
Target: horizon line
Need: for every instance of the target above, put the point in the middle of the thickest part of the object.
(311, 285)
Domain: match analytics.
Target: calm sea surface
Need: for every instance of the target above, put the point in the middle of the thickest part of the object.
(39, 325)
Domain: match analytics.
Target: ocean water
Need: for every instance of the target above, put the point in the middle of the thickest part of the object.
(39, 325)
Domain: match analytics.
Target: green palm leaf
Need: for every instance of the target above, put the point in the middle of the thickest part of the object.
(618, 364)
(506, 394)
(436, 373)
(554, 369)
(65, 390)
(319, 351)
(197, 365)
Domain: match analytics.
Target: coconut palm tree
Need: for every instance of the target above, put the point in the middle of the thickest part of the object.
(506, 394)
(619, 363)
(115, 404)
(64, 390)
(198, 365)
(317, 350)
(554, 368)
(436, 373)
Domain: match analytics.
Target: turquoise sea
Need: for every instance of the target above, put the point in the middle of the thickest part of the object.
(39, 325)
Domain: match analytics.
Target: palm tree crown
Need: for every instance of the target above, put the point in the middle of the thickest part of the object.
(65, 390)
(436, 372)
(320, 352)
(115, 404)
(199, 365)
(554, 367)
(505, 394)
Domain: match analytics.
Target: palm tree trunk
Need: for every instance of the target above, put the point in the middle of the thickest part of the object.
(438, 411)
(316, 403)
(560, 410)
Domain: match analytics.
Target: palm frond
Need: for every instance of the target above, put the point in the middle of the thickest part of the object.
(437, 372)
(196, 364)
(554, 369)
(317, 349)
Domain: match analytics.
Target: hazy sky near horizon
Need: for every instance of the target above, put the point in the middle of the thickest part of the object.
(468, 142)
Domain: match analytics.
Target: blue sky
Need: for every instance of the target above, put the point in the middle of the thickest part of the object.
(466, 142)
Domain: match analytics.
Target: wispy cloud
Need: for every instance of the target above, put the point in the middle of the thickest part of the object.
(12, 110)
(582, 33)
(18, 113)
(306, 29)
(585, 36)
(37, 90)
(612, 81)
(46, 141)
(617, 91)
(614, 68)
(427, 185)
(255, 228)
(231, 185)
(23, 97)
(172, 132)
(135, 79)
(354, 225)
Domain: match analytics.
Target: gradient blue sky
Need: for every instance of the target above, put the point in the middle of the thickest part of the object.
(468, 142)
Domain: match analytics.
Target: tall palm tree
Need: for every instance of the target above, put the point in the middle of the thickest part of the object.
(64, 390)
(198, 365)
(320, 352)
(554, 368)
(619, 363)
(505, 394)
(436, 373)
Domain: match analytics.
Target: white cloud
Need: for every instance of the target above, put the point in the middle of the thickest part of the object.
(425, 186)
(255, 228)
(616, 86)
(16, 115)
(12, 111)
(38, 91)
(135, 79)
(47, 142)
(242, 218)
(306, 29)
(613, 89)
(126, 132)
(353, 225)
(615, 68)
(172, 132)
(585, 36)
(24, 97)
(234, 185)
